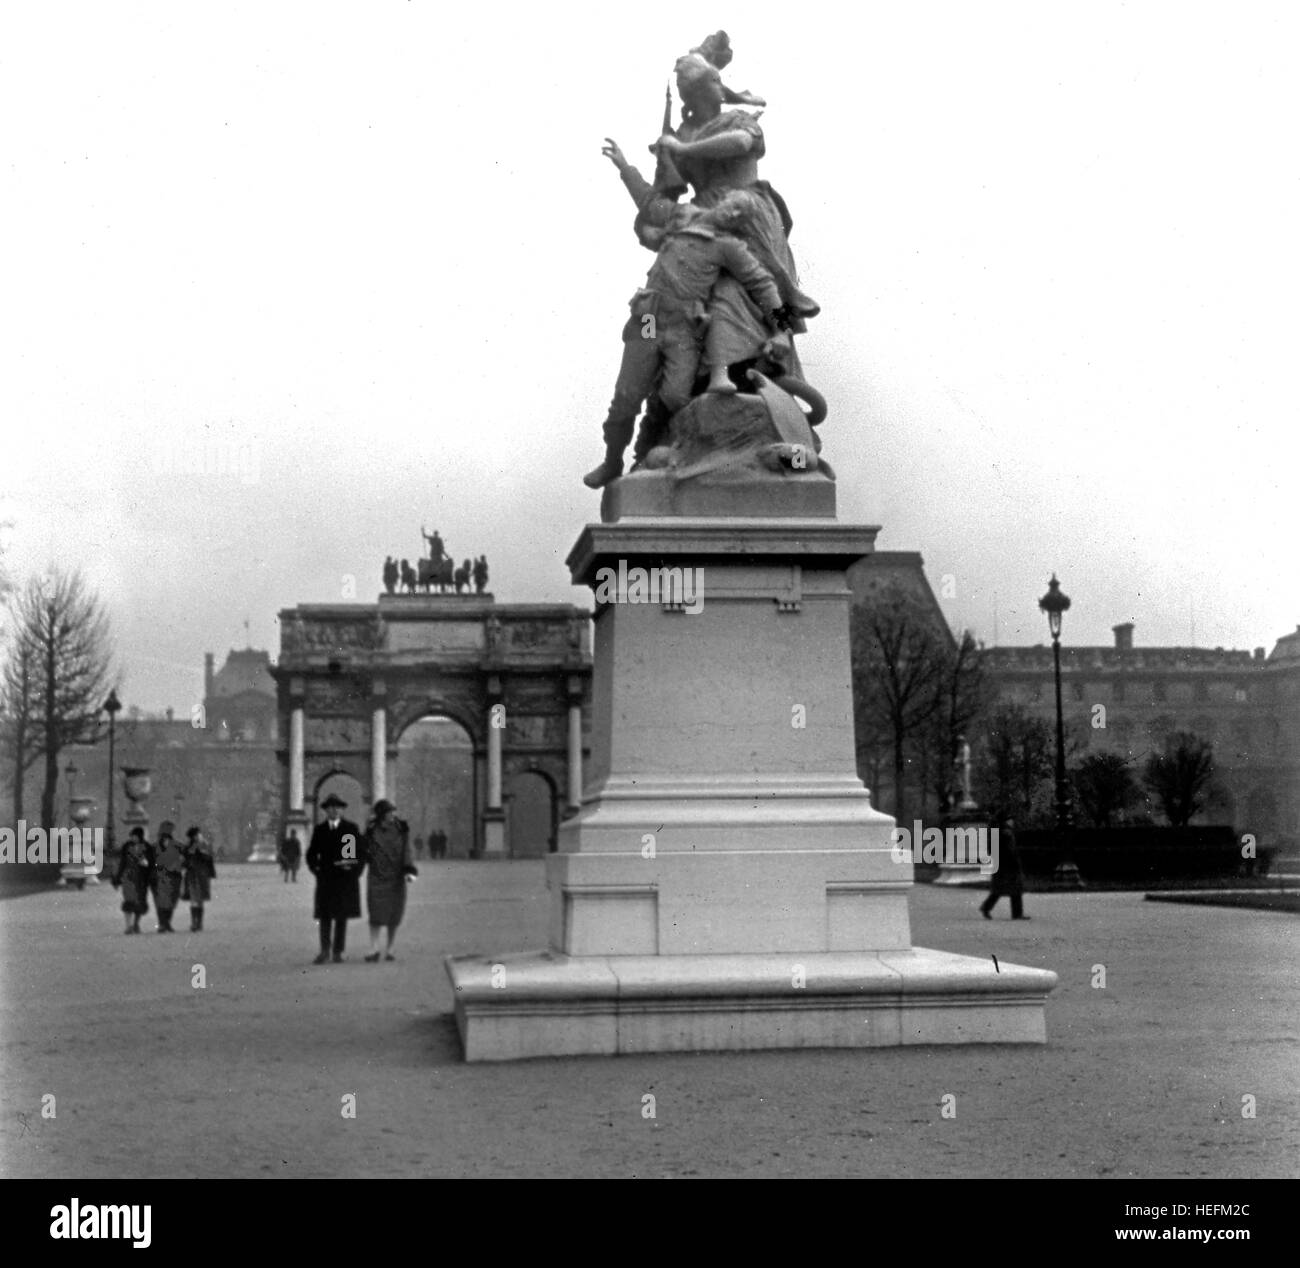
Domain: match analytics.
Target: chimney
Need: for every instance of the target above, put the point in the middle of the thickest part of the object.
(209, 663)
(1123, 636)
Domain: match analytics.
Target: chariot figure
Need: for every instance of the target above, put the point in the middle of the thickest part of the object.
(437, 552)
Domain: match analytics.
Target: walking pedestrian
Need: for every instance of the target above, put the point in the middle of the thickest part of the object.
(134, 867)
(290, 856)
(200, 872)
(169, 868)
(1009, 879)
(336, 858)
(388, 858)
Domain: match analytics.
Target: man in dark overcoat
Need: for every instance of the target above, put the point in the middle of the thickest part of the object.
(1009, 879)
(336, 858)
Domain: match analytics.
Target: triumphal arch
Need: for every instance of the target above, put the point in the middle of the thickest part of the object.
(353, 676)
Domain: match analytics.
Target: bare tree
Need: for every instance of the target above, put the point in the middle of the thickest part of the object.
(64, 628)
(1016, 764)
(900, 660)
(1105, 787)
(1181, 777)
(17, 710)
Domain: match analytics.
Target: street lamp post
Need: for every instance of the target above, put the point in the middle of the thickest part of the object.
(1054, 603)
(71, 771)
(111, 707)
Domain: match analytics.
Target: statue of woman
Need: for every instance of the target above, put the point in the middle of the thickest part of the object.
(716, 151)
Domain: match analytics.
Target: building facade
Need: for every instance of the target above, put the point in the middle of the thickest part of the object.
(216, 766)
(1126, 699)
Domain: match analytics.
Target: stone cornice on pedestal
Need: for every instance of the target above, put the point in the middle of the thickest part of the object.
(809, 542)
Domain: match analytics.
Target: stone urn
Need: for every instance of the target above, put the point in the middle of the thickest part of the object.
(79, 875)
(137, 783)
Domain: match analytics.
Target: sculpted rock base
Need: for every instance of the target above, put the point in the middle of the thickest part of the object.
(743, 455)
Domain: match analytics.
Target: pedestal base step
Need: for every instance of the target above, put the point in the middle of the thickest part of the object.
(543, 1004)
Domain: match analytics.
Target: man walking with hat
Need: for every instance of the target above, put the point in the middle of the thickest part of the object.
(336, 858)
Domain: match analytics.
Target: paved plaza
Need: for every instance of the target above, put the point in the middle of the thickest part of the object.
(153, 1077)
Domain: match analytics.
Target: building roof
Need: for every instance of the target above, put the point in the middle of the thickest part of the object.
(1039, 657)
(1288, 647)
(244, 671)
(905, 569)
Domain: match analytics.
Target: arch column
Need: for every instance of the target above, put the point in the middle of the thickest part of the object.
(296, 818)
(296, 759)
(494, 820)
(378, 742)
(574, 782)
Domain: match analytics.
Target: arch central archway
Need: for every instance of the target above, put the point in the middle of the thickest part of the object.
(435, 786)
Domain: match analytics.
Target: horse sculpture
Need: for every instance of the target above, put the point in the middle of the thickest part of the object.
(439, 572)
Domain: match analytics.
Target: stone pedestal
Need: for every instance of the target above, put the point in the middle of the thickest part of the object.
(727, 882)
(956, 872)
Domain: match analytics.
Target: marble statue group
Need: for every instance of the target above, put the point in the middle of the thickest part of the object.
(722, 299)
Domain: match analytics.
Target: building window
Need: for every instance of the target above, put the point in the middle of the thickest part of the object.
(1159, 692)
(1117, 693)
(1240, 695)
(1201, 692)
(1078, 691)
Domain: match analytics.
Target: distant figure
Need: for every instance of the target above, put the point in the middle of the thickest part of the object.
(437, 552)
(1009, 879)
(134, 868)
(388, 857)
(410, 578)
(168, 874)
(336, 858)
(438, 844)
(200, 872)
(480, 574)
(290, 856)
(417, 844)
(463, 575)
(391, 574)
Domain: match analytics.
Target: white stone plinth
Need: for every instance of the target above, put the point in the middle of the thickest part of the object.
(543, 1004)
(727, 882)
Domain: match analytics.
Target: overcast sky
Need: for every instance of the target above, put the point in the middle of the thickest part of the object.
(364, 266)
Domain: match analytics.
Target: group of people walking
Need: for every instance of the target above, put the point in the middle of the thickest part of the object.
(173, 872)
(337, 856)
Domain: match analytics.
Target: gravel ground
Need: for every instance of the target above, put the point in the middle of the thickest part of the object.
(153, 1077)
